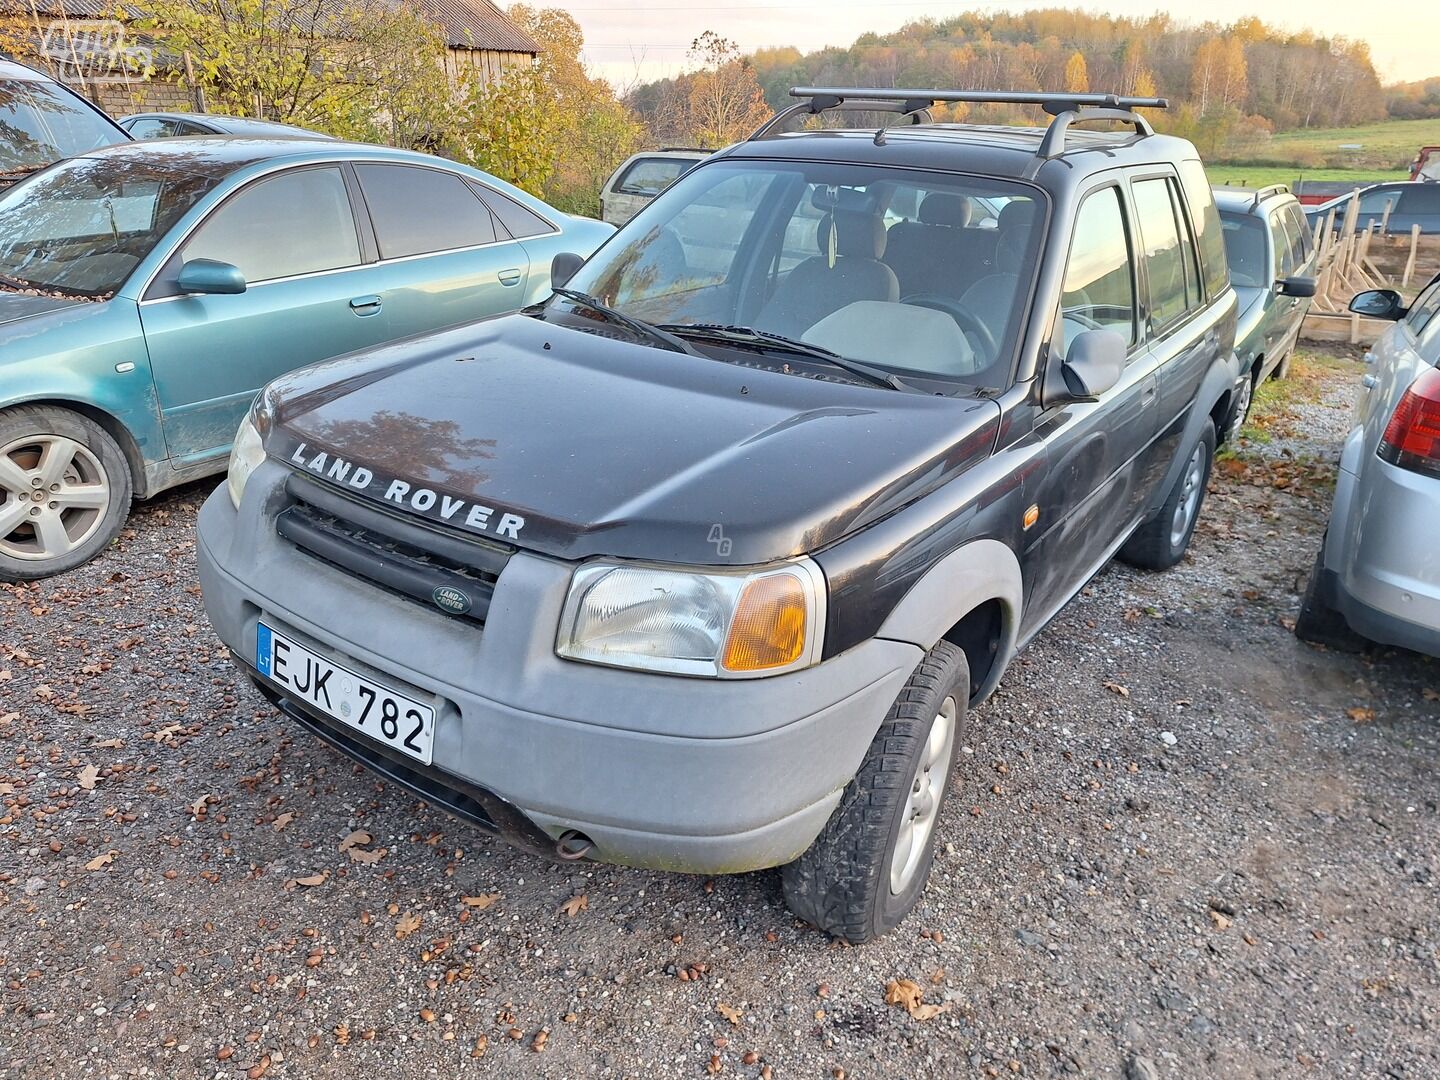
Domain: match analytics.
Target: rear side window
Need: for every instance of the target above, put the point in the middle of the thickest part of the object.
(152, 127)
(519, 220)
(1295, 217)
(296, 223)
(1099, 277)
(419, 211)
(1206, 220)
(1172, 283)
(650, 176)
(1421, 199)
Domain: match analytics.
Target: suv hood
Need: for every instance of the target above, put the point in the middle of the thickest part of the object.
(574, 444)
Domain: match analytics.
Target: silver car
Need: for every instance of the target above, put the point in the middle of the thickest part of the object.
(1378, 572)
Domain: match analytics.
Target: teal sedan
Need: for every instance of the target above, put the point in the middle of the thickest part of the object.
(148, 291)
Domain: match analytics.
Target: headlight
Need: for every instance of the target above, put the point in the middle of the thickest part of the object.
(248, 451)
(718, 623)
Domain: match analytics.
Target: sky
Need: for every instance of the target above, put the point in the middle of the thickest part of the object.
(629, 43)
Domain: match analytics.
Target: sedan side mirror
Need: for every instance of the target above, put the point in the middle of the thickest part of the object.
(1301, 287)
(563, 267)
(1379, 304)
(1093, 364)
(210, 276)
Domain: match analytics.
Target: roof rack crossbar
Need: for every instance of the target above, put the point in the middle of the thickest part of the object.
(1265, 192)
(1067, 109)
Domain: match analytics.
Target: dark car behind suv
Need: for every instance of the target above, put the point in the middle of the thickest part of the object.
(42, 121)
(700, 564)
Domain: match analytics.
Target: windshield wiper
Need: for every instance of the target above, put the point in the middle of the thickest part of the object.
(749, 335)
(639, 326)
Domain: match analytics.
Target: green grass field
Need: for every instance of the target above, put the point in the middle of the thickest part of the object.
(1262, 175)
(1386, 149)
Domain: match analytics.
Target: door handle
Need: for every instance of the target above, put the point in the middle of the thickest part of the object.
(510, 277)
(365, 305)
(1369, 381)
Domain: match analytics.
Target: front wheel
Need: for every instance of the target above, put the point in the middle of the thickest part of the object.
(1162, 541)
(64, 491)
(868, 867)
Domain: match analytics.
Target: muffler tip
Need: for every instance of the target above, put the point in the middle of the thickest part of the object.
(573, 845)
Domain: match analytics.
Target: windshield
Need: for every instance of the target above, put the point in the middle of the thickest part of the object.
(41, 123)
(83, 226)
(1245, 250)
(921, 274)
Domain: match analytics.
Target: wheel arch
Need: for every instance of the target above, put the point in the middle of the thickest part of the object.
(113, 427)
(973, 598)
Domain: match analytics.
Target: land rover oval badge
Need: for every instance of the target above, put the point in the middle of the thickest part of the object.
(448, 598)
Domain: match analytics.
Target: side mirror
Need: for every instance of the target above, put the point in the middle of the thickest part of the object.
(1379, 304)
(1301, 287)
(1093, 364)
(563, 267)
(210, 276)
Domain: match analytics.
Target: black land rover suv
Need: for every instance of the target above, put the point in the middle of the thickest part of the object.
(699, 564)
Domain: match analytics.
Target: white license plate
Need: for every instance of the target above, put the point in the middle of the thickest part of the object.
(395, 720)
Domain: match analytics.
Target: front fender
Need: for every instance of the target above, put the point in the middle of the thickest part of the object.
(971, 575)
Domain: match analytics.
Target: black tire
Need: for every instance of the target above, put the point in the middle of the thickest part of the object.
(1282, 369)
(1155, 545)
(842, 883)
(1241, 410)
(96, 463)
(1317, 622)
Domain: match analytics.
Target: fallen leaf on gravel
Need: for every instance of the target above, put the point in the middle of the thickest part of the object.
(359, 836)
(102, 861)
(481, 902)
(908, 995)
(729, 1013)
(575, 905)
(310, 881)
(1220, 919)
(88, 775)
(406, 925)
(1430, 695)
(1116, 688)
(283, 820)
(110, 744)
(1360, 715)
(198, 806)
(366, 856)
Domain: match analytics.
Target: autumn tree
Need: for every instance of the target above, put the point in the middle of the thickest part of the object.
(1077, 74)
(364, 69)
(550, 128)
(725, 102)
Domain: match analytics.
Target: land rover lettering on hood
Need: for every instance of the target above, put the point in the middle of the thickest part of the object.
(682, 566)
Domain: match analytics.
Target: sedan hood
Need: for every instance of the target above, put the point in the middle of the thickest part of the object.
(575, 444)
(15, 306)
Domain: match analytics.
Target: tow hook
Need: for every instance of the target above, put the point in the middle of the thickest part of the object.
(573, 845)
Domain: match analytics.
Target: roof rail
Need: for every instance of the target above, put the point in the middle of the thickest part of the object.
(1266, 192)
(1067, 109)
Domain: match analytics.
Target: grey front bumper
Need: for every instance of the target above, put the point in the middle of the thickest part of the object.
(707, 776)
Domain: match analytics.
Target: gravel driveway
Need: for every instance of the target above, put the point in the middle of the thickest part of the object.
(1182, 845)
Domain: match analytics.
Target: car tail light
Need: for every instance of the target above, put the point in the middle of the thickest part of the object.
(1412, 438)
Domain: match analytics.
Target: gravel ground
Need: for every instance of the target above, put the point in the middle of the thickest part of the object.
(1182, 845)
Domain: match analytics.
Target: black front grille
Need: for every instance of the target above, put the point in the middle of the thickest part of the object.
(448, 573)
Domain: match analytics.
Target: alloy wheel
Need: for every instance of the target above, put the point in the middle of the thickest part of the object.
(53, 496)
(922, 806)
(1189, 496)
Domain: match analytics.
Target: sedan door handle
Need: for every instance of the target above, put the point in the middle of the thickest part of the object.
(1369, 381)
(365, 305)
(510, 277)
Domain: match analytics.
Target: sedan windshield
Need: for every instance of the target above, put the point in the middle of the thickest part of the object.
(80, 228)
(40, 123)
(916, 274)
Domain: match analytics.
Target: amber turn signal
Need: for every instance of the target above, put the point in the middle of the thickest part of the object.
(768, 630)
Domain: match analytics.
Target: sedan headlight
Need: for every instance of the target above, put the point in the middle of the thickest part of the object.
(248, 450)
(716, 623)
